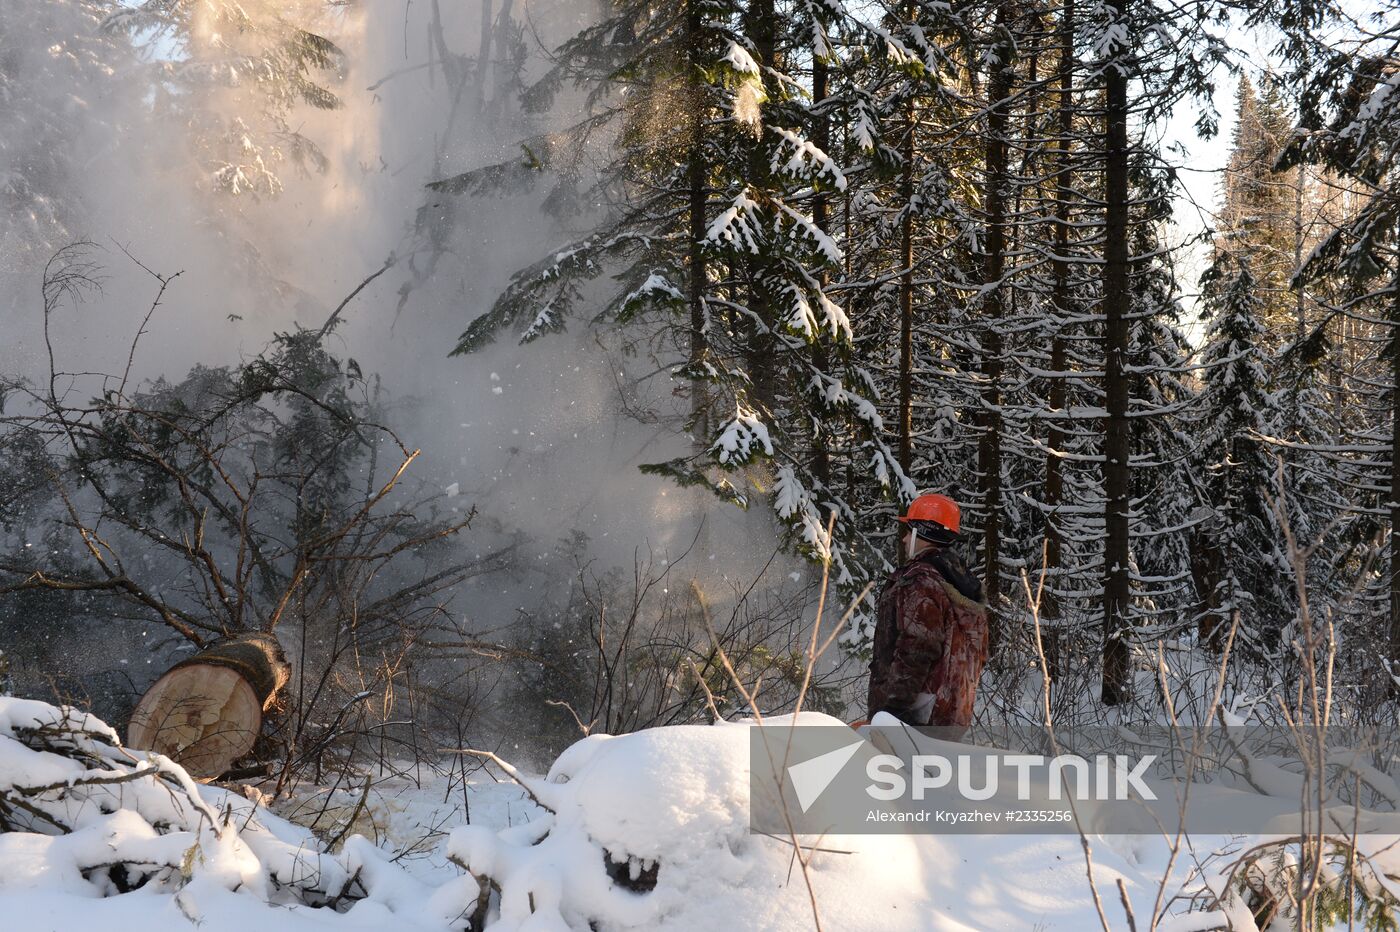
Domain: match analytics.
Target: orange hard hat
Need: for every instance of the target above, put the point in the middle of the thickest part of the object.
(940, 509)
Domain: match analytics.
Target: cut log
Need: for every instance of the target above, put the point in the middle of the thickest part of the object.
(206, 711)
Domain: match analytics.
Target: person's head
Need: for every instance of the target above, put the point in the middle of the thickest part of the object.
(932, 521)
(911, 545)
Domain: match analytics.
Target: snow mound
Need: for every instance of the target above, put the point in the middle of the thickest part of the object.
(651, 831)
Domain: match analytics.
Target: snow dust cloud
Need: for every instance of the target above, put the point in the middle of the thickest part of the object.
(543, 440)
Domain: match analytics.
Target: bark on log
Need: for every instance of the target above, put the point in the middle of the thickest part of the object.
(206, 711)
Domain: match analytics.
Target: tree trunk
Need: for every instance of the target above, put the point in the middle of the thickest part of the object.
(1060, 299)
(905, 448)
(501, 72)
(206, 712)
(1117, 439)
(451, 66)
(1395, 459)
(1300, 307)
(821, 138)
(483, 55)
(994, 269)
(760, 28)
(1207, 572)
(695, 180)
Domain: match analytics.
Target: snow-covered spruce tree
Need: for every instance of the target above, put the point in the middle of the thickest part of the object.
(718, 253)
(1063, 300)
(1258, 208)
(1024, 94)
(916, 264)
(988, 302)
(1165, 497)
(1052, 489)
(1148, 57)
(1038, 336)
(1270, 219)
(59, 78)
(1119, 61)
(1349, 117)
(1241, 567)
(231, 79)
(906, 225)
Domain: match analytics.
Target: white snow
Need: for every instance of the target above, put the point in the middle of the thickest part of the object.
(676, 799)
(101, 819)
(738, 58)
(744, 437)
(647, 831)
(792, 500)
(738, 225)
(804, 159)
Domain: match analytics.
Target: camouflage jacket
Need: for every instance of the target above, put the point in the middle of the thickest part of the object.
(930, 642)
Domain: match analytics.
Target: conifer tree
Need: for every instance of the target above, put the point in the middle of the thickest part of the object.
(1165, 398)
(1242, 565)
(716, 245)
(1257, 214)
(1349, 119)
(58, 98)
(247, 70)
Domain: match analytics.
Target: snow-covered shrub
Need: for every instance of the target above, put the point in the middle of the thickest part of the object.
(82, 815)
(285, 456)
(1276, 885)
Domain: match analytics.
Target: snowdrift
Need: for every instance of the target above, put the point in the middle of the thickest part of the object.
(651, 831)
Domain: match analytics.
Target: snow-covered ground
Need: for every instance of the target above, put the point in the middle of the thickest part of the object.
(668, 806)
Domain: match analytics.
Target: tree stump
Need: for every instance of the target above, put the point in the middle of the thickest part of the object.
(206, 711)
